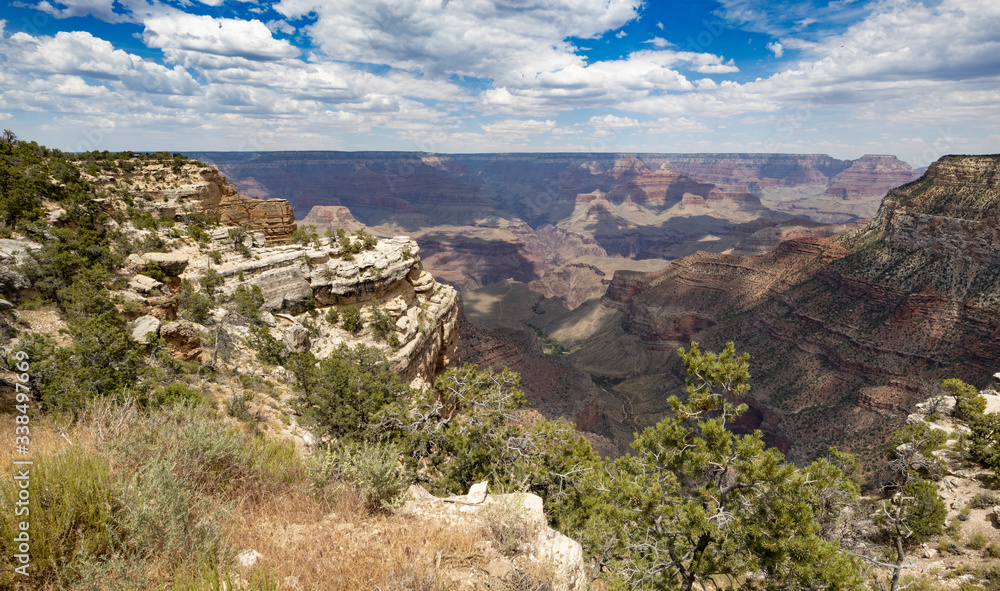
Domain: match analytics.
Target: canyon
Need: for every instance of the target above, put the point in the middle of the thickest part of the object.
(545, 218)
(585, 272)
(846, 333)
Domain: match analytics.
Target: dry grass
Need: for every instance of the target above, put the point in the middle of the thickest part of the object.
(264, 499)
(342, 547)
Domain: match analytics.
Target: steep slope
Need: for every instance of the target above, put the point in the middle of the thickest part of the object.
(845, 333)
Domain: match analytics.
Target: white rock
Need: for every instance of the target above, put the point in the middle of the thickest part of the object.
(145, 326)
(534, 507)
(296, 338)
(134, 262)
(477, 494)
(567, 554)
(54, 216)
(144, 284)
(249, 558)
(171, 263)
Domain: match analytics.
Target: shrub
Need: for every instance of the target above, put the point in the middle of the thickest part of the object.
(102, 360)
(976, 541)
(383, 323)
(346, 391)
(175, 393)
(215, 256)
(351, 317)
(985, 500)
(198, 233)
(333, 315)
(238, 238)
(247, 302)
(507, 524)
(151, 242)
(374, 470)
(68, 252)
(193, 305)
(31, 304)
(238, 407)
(925, 512)
(152, 269)
(969, 405)
(268, 348)
(72, 509)
(211, 281)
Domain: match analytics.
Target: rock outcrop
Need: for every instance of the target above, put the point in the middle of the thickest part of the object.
(176, 192)
(523, 512)
(845, 333)
(869, 178)
(388, 277)
(950, 212)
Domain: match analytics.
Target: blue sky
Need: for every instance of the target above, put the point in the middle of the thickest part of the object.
(915, 79)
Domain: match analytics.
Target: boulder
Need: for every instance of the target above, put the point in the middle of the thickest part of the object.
(423, 283)
(144, 284)
(135, 262)
(542, 542)
(248, 558)
(11, 280)
(184, 339)
(296, 338)
(171, 263)
(144, 326)
(55, 216)
(477, 493)
(163, 307)
(11, 248)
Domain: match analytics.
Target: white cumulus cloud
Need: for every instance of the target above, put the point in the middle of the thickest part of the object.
(612, 122)
(187, 38)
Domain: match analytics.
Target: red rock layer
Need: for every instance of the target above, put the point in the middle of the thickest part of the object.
(845, 334)
(870, 178)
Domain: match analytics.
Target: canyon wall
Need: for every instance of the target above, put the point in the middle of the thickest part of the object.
(845, 333)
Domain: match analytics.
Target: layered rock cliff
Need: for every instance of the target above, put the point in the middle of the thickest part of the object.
(818, 187)
(384, 280)
(845, 333)
(300, 285)
(176, 191)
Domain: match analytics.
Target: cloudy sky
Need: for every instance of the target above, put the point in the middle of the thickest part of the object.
(915, 79)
